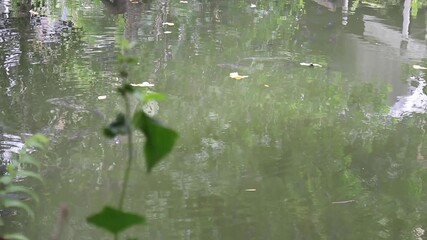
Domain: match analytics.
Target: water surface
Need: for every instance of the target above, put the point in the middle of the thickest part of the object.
(290, 152)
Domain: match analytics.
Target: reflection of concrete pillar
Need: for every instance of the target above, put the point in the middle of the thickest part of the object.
(64, 14)
(425, 36)
(344, 12)
(406, 19)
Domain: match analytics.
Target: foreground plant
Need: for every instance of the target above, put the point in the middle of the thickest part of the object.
(23, 165)
(159, 141)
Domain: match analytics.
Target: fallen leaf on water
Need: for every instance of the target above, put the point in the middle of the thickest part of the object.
(144, 84)
(266, 85)
(102, 97)
(168, 23)
(310, 64)
(236, 76)
(33, 13)
(250, 190)
(419, 67)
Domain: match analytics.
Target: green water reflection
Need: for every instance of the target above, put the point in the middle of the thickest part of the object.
(291, 152)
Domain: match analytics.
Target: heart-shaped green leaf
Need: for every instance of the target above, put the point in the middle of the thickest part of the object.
(114, 220)
(160, 140)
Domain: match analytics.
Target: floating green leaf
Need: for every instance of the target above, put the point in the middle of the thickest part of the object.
(14, 236)
(117, 127)
(114, 220)
(160, 140)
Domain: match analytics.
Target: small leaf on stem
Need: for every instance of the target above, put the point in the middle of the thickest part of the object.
(117, 127)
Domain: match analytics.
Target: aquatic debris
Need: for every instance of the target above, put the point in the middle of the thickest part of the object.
(374, 5)
(344, 202)
(33, 13)
(144, 84)
(102, 97)
(183, 1)
(168, 24)
(236, 76)
(418, 67)
(68, 102)
(250, 190)
(167, 32)
(310, 64)
(253, 5)
(266, 85)
(233, 65)
(261, 59)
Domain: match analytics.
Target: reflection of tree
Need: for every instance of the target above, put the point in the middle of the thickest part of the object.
(116, 6)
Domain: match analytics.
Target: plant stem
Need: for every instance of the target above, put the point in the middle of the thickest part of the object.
(130, 152)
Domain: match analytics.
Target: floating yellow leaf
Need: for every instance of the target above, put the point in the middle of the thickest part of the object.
(144, 84)
(168, 23)
(102, 97)
(250, 190)
(419, 67)
(236, 76)
(310, 64)
(266, 85)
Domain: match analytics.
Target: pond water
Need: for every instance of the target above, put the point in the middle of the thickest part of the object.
(290, 152)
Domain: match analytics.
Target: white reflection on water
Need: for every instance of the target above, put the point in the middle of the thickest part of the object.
(9, 144)
(416, 102)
